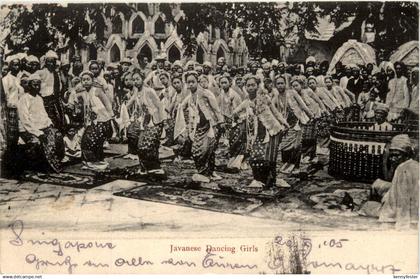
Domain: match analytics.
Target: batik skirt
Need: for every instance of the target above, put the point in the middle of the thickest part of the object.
(263, 157)
(309, 136)
(12, 127)
(237, 140)
(170, 129)
(148, 147)
(204, 148)
(290, 147)
(50, 150)
(54, 109)
(93, 140)
(133, 132)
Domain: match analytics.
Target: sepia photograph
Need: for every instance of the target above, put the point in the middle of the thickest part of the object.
(219, 137)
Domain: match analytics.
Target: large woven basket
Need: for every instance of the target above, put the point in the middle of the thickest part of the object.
(357, 154)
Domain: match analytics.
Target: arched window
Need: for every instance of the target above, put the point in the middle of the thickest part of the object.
(138, 25)
(115, 53)
(200, 55)
(145, 51)
(174, 54)
(159, 26)
(117, 25)
(220, 53)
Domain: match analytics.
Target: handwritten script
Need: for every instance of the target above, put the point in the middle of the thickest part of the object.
(59, 255)
(291, 255)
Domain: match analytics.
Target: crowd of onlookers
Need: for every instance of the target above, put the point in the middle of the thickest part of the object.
(257, 110)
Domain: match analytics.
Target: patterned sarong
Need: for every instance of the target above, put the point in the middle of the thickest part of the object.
(203, 149)
(237, 140)
(290, 147)
(148, 147)
(309, 131)
(54, 109)
(263, 157)
(12, 127)
(51, 148)
(93, 141)
(169, 129)
(133, 132)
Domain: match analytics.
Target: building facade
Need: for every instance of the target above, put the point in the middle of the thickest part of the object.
(140, 35)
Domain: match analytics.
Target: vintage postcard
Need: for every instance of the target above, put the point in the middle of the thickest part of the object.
(219, 137)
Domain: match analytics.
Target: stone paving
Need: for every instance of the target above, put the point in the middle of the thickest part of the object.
(304, 206)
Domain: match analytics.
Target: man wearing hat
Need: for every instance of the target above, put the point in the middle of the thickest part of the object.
(12, 91)
(51, 89)
(44, 141)
(400, 198)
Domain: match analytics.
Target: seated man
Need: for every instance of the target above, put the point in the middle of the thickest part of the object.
(43, 140)
(381, 114)
(368, 104)
(400, 198)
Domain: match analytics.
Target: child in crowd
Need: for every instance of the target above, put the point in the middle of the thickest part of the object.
(72, 147)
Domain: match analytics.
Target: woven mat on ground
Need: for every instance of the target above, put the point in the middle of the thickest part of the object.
(200, 199)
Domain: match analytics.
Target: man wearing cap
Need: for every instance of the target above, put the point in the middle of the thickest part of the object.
(221, 62)
(310, 61)
(400, 198)
(44, 141)
(176, 66)
(51, 88)
(125, 64)
(207, 72)
(33, 64)
(266, 67)
(381, 114)
(152, 78)
(12, 91)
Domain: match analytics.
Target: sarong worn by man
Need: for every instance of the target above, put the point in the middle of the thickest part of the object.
(51, 90)
(144, 134)
(203, 118)
(44, 142)
(12, 92)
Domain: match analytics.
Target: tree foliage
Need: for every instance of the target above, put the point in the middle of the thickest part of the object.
(265, 25)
